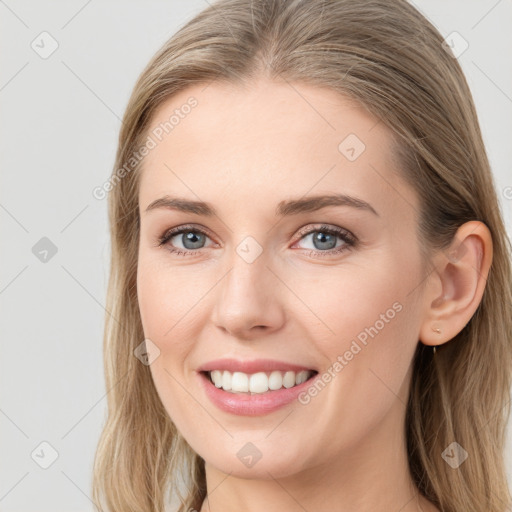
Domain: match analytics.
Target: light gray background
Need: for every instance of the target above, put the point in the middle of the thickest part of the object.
(60, 122)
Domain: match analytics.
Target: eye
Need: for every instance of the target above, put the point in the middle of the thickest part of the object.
(190, 237)
(324, 238)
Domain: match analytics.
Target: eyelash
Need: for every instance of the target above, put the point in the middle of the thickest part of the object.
(350, 241)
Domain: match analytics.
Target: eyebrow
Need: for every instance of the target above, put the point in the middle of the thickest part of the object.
(284, 208)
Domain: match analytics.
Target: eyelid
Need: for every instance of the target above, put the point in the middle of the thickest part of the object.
(338, 230)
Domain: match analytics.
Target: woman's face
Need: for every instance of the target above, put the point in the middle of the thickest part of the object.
(268, 270)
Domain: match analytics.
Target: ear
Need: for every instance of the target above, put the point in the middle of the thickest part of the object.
(456, 285)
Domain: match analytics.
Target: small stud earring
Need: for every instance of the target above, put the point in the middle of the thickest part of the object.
(437, 330)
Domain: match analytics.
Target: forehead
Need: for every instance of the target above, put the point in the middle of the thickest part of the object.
(269, 139)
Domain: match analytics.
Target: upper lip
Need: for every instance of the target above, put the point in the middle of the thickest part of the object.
(251, 366)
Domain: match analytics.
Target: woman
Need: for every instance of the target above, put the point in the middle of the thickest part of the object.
(310, 277)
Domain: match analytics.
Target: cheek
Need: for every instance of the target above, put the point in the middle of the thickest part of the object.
(343, 301)
(166, 296)
(364, 318)
(172, 315)
(161, 306)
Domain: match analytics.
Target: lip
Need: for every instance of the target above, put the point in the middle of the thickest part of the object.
(252, 366)
(258, 404)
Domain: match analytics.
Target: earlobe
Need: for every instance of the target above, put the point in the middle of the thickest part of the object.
(457, 284)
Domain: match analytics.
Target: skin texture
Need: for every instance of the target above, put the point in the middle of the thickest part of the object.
(243, 150)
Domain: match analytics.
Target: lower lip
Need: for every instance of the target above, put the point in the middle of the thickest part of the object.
(252, 405)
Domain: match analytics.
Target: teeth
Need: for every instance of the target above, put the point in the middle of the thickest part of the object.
(261, 382)
(239, 382)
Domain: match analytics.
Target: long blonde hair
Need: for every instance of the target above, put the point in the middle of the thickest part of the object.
(390, 58)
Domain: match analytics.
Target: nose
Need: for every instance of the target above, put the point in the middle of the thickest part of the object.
(248, 301)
